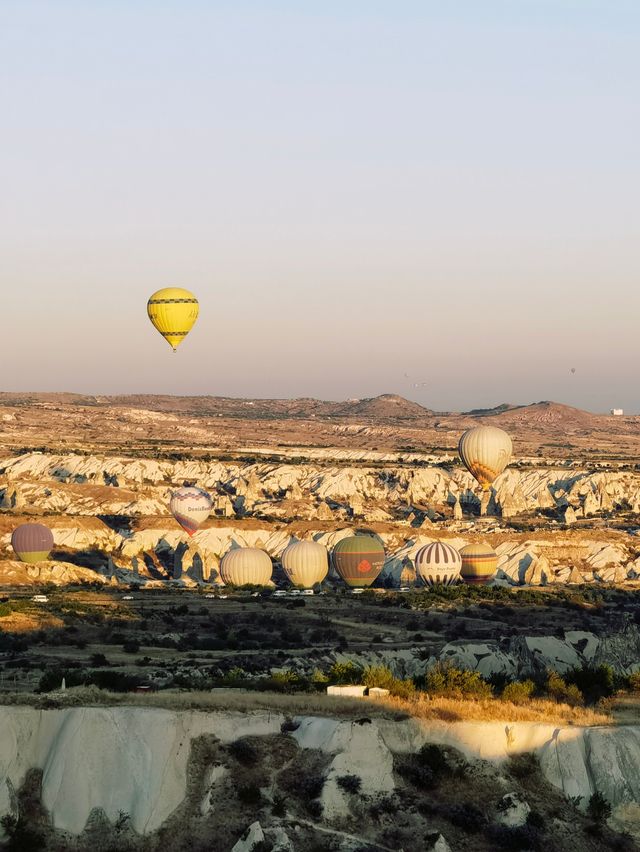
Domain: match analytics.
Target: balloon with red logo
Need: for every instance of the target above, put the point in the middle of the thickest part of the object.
(358, 559)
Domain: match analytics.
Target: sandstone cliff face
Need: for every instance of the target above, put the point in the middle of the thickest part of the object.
(135, 760)
(115, 510)
(115, 484)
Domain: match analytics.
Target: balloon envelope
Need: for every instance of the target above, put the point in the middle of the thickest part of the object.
(246, 566)
(485, 451)
(190, 507)
(479, 564)
(358, 559)
(173, 312)
(438, 563)
(305, 563)
(32, 542)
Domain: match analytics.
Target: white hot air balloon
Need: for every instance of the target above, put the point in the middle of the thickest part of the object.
(485, 451)
(190, 507)
(305, 563)
(244, 566)
(438, 563)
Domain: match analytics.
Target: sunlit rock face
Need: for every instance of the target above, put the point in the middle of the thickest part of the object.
(135, 760)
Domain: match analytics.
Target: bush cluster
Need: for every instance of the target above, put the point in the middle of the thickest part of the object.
(446, 680)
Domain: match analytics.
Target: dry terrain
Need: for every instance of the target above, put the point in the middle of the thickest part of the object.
(136, 613)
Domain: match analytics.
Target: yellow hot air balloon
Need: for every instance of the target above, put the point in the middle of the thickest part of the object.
(479, 564)
(485, 452)
(173, 312)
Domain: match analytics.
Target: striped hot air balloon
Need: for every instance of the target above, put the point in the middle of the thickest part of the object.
(244, 566)
(32, 542)
(190, 507)
(305, 563)
(438, 563)
(173, 312)
(485, 452)
(479, 564)
(358, 559)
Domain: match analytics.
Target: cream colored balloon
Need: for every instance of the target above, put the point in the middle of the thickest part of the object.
(246, 566)
(485, 452)
(305, 563)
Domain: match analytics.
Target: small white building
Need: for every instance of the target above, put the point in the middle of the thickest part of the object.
(617, 412)
(351, 691)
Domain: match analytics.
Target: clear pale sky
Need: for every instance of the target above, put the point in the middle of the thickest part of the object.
(353, 190)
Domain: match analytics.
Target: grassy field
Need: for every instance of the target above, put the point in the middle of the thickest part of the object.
(183, 644)
(420, 707)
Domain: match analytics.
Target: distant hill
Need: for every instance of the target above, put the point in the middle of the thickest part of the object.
(383, 408)
(487, 412)
(388, 405)
(547, 414)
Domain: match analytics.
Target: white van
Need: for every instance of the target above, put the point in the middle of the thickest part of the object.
(40, 599)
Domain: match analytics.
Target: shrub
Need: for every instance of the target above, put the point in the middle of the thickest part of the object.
(20, 836)
(514, 838)
(518, 692)
(249, 794)
(433, 757)
(446, 680)
(593, 682)
(633, 681)
(319, 678)
(535, 821)
(314, 807)
(383, 677)
(559, 690)
(52, 679)
(131, 646)
(345, 673)
(311, 786)
(468, 817)
(243, 751)
(279, 806)
(114, 681)
(524, 765)
(599, 809)
(286, 681)
(349, 783)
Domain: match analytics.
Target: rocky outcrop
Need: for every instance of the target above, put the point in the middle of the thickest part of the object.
(144, 750)
(135, 760)
(79, 484)
(527, 656)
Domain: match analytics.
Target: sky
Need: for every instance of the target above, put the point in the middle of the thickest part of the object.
(436, 199)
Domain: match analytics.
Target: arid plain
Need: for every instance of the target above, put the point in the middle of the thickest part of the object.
(132, 604)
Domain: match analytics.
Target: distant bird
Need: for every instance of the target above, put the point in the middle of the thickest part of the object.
(573, 369)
